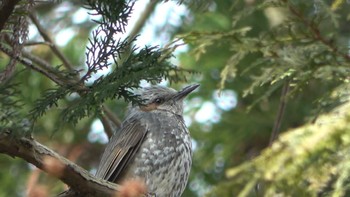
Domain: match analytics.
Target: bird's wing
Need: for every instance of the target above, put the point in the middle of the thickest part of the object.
(121, 149)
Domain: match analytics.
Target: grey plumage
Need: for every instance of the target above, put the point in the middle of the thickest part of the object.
(153, 144)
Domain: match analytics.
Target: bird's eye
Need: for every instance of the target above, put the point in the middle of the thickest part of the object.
(158, 101)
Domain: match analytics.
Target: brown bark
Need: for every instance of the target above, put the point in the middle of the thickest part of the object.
(6, 10)
(78, 179)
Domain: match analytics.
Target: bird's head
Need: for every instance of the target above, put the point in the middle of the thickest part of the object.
(165, 99)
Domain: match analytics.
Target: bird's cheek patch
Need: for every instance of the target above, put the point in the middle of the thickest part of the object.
(148, 107)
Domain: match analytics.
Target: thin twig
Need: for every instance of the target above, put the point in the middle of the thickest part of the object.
(316, 32)
(8, 72)
(52, 44)
(107, 126)
(107, 118)
(169, 48)
(116, 121)
(280, 114)
(29, 64)
(36, 43)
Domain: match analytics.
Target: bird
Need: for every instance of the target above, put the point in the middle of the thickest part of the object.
(153, 144)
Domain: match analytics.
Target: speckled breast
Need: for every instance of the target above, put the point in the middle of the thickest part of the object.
(164, 159)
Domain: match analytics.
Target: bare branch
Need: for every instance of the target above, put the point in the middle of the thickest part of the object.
(142, 19)
(8, 72)
(29, 64)
(112, 117)
(80, 181)
(280, 114)
(52, 45)
(6, 10)
(316, 33)
(107, 126)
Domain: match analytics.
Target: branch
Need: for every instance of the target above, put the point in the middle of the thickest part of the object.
(29, 64)
(107, 126)
(280, 114)
(69, 66)
(46, 69)
(6, 10)
(52, 45)
(112, 117)
(142, 19)
(317, 33)
(80, 181)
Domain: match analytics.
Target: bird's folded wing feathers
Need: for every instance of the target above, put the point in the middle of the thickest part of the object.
(121, 150)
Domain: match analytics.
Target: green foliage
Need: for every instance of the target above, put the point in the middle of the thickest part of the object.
(309, 161)
(69, 97)
(11, 120)
(7, 106)
(252, 48)
(270, 44)
(293, 50)
(119, 84)
(146, 64)
(112, 12)
(49, 99)
(143, 65)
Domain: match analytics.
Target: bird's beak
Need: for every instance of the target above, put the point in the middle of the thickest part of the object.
(184, 92)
